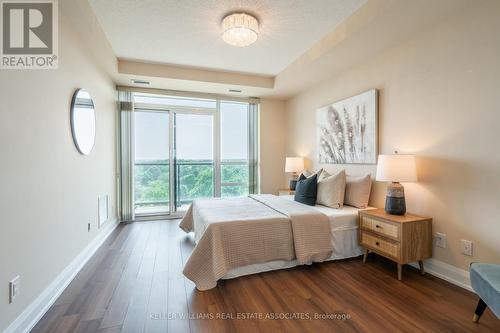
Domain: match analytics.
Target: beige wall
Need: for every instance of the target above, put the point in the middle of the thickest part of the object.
(48, 190)
(272, 145)
(439, 98)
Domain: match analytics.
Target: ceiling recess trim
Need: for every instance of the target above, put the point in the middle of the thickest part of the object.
(193, 74)
(168, 92)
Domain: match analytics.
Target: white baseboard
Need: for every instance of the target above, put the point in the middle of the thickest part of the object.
(35, 311)
(447, 272)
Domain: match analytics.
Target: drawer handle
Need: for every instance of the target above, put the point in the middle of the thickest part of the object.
(377, 243)
(377, 226)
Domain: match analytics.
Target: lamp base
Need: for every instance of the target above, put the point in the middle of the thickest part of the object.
(293, 184)
(395, 203)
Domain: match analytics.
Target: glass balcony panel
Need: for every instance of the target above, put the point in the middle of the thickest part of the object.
(234, 180)
(151, 188)
(194, 163)
(195, 179)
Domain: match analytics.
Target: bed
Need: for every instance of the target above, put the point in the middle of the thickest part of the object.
(242, 236)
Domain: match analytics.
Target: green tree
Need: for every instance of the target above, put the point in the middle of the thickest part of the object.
(195, 180)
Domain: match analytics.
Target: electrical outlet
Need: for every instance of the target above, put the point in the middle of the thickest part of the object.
(466, 247)
(88, 227)
(440, 240)
(14, 288)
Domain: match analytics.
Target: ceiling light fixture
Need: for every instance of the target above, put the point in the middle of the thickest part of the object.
(240, 29)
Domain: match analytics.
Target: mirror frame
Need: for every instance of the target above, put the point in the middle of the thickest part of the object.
(72, 120)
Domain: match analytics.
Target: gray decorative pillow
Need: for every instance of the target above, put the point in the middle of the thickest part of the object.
(331, 189)
(307, 190)
(357, 191)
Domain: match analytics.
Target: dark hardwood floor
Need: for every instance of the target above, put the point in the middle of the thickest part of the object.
(134, 283)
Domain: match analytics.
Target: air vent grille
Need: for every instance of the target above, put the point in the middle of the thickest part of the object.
(140, 82)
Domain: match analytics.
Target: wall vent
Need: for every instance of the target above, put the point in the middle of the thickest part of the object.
(135, 81)
(103, 209)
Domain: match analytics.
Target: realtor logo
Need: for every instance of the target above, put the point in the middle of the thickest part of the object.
(29, 34)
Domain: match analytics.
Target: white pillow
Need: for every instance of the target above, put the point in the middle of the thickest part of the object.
(357, 191)
(331, 190)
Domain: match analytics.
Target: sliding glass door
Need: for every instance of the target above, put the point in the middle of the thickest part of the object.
(151, 162)
(189, 148)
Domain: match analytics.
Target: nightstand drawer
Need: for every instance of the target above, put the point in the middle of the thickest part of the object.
(382, 228)
(384, 246)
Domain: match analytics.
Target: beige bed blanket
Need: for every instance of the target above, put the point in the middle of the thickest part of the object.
(237, 232)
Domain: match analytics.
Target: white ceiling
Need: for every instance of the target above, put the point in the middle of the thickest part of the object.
(187, 32)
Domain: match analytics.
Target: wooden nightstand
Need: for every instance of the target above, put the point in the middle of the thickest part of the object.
(403, 239)
(286, 191)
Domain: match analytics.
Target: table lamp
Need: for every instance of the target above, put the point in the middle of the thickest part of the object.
(294, 165)
(396, 168)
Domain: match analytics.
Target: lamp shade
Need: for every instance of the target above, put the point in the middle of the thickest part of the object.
(396, 168)
(294, 164)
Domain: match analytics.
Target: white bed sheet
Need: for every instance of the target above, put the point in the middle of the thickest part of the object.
(345, 217)
(344, 237)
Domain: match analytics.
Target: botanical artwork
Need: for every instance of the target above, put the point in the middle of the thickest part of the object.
(347, 130)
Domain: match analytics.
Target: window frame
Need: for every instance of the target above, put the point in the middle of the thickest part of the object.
(253, 139)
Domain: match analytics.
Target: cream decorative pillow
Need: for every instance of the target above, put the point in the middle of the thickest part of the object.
(324, 174)
(357, 191)
(331, 189)
(308, 173)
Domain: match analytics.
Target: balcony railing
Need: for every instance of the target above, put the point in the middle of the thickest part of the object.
(193, 179)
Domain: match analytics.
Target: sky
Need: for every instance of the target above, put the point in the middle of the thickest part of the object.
(194, 134)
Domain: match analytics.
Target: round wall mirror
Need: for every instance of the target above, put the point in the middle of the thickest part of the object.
(83, 121)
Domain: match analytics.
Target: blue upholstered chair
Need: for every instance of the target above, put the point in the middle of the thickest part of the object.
(485, 280)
